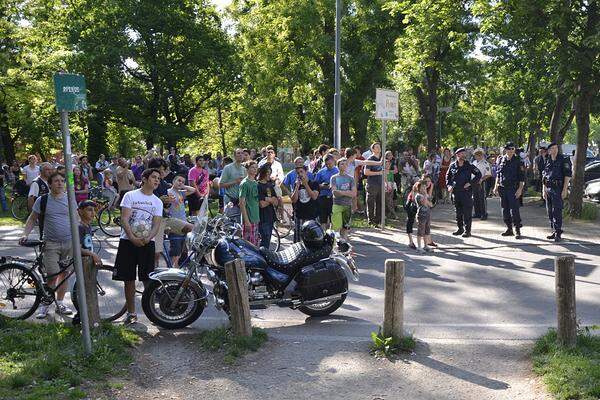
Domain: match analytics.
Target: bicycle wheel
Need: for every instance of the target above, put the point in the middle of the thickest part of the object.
(109, 221)
(20, 291)
(285, 224)
(19, 209)
(111, 301)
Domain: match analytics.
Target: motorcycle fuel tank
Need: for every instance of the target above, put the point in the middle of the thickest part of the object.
(230, 249)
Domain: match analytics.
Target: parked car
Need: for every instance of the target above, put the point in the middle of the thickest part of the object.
(592, 172)
(592, 189)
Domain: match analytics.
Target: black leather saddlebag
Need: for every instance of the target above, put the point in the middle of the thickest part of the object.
(321, 279)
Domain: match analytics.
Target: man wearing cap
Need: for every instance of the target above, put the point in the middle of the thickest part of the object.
(556, 177)
(460, 178)
(540, 161)
(509, 185)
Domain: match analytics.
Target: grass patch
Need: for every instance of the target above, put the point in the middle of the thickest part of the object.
(589, 212)
(388, 346)
(47, 361)
(360, 221)
(6, 218)
(233, 347)
(569, 373)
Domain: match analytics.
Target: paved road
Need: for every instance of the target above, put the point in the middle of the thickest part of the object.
(482, 288)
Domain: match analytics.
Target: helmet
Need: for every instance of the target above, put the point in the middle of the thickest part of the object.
(312, 234)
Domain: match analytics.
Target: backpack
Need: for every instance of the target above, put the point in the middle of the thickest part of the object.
(43, 205)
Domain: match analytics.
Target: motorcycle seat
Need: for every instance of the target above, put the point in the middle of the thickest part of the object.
(293, 257)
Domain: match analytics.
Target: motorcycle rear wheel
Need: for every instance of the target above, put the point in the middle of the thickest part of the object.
(156, 301)
(322, 309)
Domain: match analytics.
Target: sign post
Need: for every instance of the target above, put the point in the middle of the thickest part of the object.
(71, 96)
(386, 109)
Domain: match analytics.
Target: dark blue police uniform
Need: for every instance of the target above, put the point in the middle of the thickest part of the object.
(511, 172)
(555, 172)
(457, 177)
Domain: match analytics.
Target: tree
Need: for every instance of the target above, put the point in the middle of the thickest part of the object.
(432, 52)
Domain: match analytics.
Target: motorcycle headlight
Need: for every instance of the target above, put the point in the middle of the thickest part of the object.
(189, 240)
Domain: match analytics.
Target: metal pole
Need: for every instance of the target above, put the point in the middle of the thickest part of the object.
(337, 99)
(383, 175)
(83, 312)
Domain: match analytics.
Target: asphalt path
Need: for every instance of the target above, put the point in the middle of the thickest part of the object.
(483, 288)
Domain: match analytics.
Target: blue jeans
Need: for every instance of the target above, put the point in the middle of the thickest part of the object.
(265, 229)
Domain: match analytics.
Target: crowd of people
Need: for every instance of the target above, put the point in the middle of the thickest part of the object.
(329, 185)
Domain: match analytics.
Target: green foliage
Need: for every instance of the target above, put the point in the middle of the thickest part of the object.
(47, 361)
(569, 373)
(233, 347)
(387, 347)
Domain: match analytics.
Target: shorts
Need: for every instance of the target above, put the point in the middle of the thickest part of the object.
(340, 217)
(176, 245)
(194, 202)
(130, 257)
(175, 226)
(325, 205)
(423, 226)
(55, 252)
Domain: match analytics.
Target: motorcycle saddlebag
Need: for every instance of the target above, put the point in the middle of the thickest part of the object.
(321, 279)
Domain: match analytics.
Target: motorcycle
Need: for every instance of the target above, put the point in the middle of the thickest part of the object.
(311, 278)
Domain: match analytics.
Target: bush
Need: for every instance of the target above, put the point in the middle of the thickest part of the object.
(387, 346)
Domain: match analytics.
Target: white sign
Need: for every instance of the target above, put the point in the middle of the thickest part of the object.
(386, 104)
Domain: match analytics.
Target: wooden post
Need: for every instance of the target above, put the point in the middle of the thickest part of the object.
(239, 307)
(393, 309)
(90, 278)
(564, 269)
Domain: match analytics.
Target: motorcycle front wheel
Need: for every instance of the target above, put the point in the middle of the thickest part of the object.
(157, 304)
(322, 309)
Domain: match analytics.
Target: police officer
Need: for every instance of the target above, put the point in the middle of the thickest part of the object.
(460, 178)
(509, 185)
(556, 177)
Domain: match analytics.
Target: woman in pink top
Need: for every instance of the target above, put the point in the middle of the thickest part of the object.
(199, 179)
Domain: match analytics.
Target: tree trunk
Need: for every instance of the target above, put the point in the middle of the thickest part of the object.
(427, 100)
(97, 128)
(7, 143)
(221, 130)
(583, 105)
(561, 98)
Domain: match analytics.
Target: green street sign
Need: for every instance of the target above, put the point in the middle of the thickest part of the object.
(70, 92)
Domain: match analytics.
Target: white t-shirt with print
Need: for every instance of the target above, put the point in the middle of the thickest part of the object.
(143, 207)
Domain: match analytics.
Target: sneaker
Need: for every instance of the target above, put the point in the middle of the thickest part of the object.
(61, 309)
(131, 318)
(432, 244)
(412, 246)
(43, 311)
(427, 249)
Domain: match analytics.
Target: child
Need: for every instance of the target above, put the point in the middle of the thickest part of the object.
(423, 217)
(411, 211)
(344, 191)
(249, 204)
(267, 201)
(87, 213)
(178, 192)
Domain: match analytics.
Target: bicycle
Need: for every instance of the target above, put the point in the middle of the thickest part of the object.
(23, 286)
(285, 218)
(107, 216)
(18, 207)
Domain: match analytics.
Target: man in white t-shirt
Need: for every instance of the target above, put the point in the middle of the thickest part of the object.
(141, 213)
(277, 175)
(31, 170)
